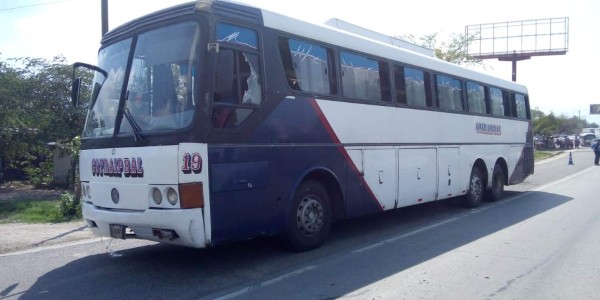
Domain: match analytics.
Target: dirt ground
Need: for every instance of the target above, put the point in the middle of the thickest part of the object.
(20, 236)
(14, 190)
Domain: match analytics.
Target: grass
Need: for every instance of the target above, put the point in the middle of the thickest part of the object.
(538, 154)
(31, 211)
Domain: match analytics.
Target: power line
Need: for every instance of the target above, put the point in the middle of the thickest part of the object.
(32, 5)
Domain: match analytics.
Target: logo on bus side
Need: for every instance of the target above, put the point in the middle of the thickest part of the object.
(117, 167)
(492, 129)
(192, 163)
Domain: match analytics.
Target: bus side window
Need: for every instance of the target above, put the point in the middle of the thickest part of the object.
(521, 106)
(476, 98)
(307, 66)
(415, 83)
(497, 103)
(449, 93)
(364, 78)
(237, 87)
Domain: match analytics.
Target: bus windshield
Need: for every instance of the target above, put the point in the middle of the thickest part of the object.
(159, 92)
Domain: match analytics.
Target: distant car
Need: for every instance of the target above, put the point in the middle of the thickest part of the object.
(587, 139)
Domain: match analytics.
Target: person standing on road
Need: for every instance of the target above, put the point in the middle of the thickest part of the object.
(596, 148)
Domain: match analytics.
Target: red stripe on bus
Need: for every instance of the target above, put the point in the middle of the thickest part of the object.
(335, 139)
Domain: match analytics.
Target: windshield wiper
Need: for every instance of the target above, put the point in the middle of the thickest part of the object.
(137, 131)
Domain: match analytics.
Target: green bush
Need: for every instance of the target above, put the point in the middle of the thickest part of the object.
(69, 206)
(40, 175)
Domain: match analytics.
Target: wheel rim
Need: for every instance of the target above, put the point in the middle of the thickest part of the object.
(310, 216)
(476, 187)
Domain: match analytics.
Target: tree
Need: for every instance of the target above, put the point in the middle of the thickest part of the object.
(551, 125)
(454, 50)
(546, 125)
(35, 109)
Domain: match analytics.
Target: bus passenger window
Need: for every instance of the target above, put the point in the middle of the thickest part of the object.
(364, 78)
(307, 66)
(449, 93)
(476, 98)
(520, 106)
(496, 101)
(237, 85)
(415, 85)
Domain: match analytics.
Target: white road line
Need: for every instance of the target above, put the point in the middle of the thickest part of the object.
(266, 283)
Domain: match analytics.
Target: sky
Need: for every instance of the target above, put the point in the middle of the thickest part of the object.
(565, 84)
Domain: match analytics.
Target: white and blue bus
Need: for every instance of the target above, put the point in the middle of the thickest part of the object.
(214, 121)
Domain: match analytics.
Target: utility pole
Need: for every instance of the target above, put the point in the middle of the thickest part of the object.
(104, 16)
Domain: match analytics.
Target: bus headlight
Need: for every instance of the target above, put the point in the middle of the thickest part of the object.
(156, 195)
(172, 196)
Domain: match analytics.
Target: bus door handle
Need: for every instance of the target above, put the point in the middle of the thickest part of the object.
(449, 173)
(419, 173)
(380, 177)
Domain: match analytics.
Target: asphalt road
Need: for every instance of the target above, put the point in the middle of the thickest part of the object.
(540, 242)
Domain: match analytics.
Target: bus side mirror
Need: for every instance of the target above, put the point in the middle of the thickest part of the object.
(75, 90)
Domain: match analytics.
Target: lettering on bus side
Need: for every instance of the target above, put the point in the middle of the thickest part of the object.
(192, 163)
(117, 167)
(483, 128)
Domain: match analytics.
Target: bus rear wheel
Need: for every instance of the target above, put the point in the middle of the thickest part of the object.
(309, 220)
(476, 188)
(497, 189)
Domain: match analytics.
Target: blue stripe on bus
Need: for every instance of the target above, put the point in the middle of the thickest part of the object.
(257, 183)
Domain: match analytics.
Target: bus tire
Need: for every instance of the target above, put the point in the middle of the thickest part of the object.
(496, 191)
(310, 217)
(476, 188)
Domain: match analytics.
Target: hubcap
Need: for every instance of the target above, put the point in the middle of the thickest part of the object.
(310, 216)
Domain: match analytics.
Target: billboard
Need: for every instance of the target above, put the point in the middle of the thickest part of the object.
(524, 38)
(594, 109)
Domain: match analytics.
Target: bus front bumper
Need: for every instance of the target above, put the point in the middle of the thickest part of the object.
(183, 227)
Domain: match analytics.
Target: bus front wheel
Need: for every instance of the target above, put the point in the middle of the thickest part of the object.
(309, 220)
